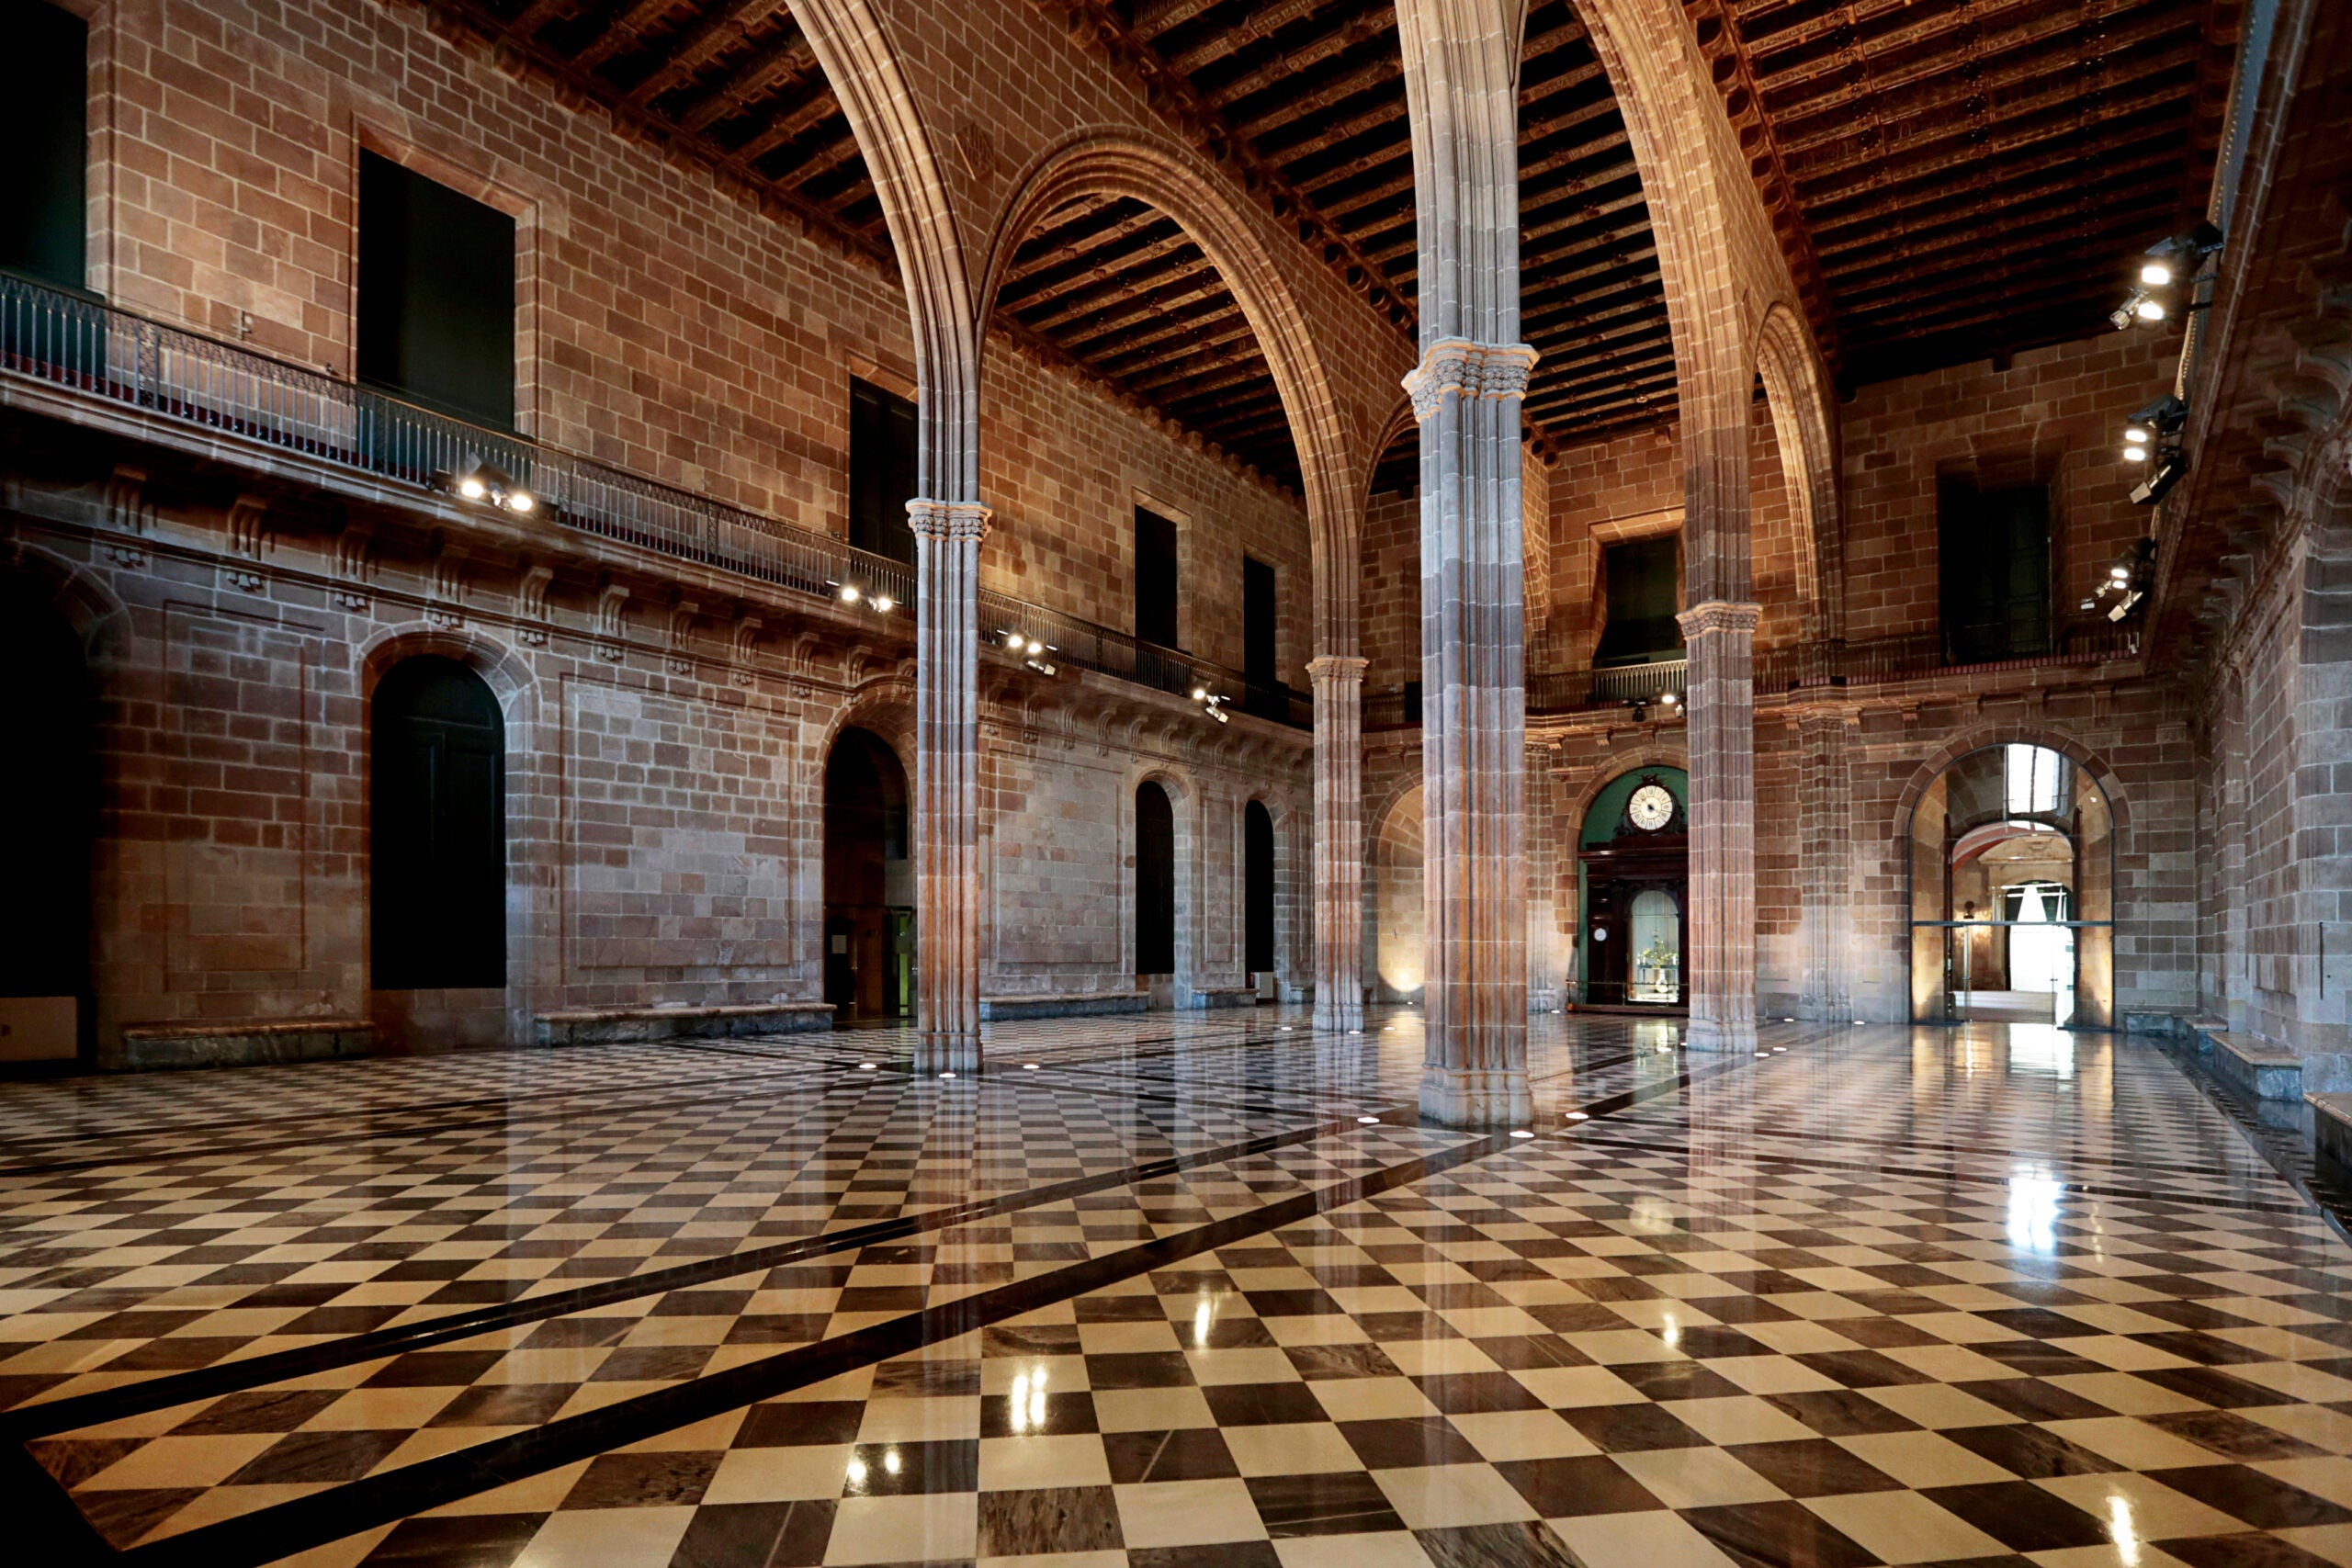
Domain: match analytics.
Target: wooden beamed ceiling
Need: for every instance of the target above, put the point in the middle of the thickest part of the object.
(1949, 181)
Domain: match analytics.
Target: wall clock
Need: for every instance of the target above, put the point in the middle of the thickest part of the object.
(1650, 807)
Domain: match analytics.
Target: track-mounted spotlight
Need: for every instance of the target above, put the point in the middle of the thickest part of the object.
(2176, 261)
(485, 484)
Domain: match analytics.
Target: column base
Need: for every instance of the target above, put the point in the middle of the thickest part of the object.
(1720, 1035)
(1476, 1096)
(1337, 1012)
(959, 1053)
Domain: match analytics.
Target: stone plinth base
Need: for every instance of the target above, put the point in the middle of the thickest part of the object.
(1476, 1096)
(2263, 1070)
(248, 1043)
(1217, 997)
(623, 1026)
(2169, 1025)
(958, 1053)
(1715, 1034)
(1074, 1004)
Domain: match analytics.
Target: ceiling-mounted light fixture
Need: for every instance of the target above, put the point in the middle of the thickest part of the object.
(2128, 580)
(2169, 267)
(2151, 435)
(487, 484)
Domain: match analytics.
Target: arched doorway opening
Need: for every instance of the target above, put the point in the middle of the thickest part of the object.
(2012, 893)
(1634, 886)
(49, 795)
(1257, 890)
(436, 811)
(1155, 881)
(1400, 934)
(869, 883)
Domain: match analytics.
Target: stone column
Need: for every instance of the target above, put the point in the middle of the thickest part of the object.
(1721, 638)
(948, 782)
(1474, 726)
(1339, 841)
(1825, 864)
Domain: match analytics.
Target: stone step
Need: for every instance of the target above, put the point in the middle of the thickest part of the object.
(615, 1026)
(241, 1042)
(1067, 1004)
(2266, 1071)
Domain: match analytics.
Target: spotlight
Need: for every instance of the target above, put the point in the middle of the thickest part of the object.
(2171, 464)
(483, 481)
(849, 592)
(886, 604)
(2149, 309)
(2176, 260)
(2166, 415)
(2135, 454)
(2134, 433)
(1200, 695)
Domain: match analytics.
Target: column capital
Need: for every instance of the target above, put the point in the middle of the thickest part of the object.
(1336, 667)
(1716, 615)
(954, 520)
(1473, 369)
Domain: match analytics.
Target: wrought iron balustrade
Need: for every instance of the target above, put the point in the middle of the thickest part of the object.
(94, 351)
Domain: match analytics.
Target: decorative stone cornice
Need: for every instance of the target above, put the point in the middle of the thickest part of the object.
(1715, 616)
(948, 520)
(1336, 667)
(1473, 369)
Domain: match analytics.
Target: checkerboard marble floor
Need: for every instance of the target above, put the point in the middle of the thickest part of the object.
(1158, 1292)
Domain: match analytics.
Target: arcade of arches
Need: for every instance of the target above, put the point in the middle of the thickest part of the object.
(1138, 783)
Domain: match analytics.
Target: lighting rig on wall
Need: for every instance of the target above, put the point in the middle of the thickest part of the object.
(2167, 270)
(1671, 701)
(2128, 580)
(486, 485)
(1213, 703)
(858, 598)
(2152, 438)
(1032, 651)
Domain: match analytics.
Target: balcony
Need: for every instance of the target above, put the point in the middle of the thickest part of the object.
(93, 353)
(1811, 666)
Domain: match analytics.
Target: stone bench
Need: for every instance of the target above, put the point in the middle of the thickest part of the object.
(633, 1026)
(1067, 1004)
(1220, 996)
(2332, 1126)
(242, 1043)
(2263, 1070)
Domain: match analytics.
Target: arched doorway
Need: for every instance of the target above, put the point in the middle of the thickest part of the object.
(1634, 886)
(1257, 889)
(436, 810)
(1400, 934)
(49, 795)
(2012, 893)
(1155, 881)
(869, 881)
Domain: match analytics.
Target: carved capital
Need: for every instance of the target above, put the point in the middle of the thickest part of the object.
(1718, 617)
(952, 520)
(1473, 369)
(1330, 667)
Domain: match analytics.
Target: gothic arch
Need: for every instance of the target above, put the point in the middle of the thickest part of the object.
(1162, 175)
(1987, 736)
(861, 64)
(1796, 392)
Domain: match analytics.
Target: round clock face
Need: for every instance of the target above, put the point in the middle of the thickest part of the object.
(1651, 807)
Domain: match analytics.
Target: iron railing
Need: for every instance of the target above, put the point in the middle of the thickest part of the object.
(1785, 670)
(96, 351)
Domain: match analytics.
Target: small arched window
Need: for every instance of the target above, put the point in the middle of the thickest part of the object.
(436, 805)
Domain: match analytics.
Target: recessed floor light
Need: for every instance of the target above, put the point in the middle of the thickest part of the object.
(866, 1066)
(1285, 1029)
(1577, 1116)
(1788, 1020)
(1028, 1067)
(1517, 1134)
(947, 1075)
(1369, 1121)
(1858, 1023)
(1779, 1048)
(1355, 1031)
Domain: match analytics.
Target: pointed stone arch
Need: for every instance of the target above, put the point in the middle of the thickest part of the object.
(1796, 390)
(1175, 181)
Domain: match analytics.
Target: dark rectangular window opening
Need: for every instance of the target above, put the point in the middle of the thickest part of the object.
(882, 444)
(1260, 661)
(436, 295)
(1993, 559)
(44, 181)
(1643, 594)
(1155, 578)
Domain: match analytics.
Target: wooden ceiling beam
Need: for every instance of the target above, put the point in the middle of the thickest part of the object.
(703, 42)
(790, 127)
(624, 33)
(777, 68)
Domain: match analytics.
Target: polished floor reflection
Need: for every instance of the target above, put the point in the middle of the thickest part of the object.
(1159, 1291)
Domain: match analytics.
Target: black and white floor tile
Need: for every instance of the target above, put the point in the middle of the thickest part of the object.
(1157, 1291)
